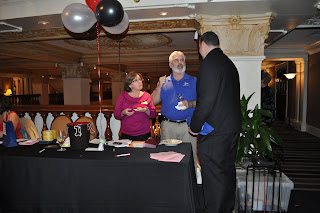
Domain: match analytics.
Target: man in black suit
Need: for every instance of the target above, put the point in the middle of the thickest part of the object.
(218, 104)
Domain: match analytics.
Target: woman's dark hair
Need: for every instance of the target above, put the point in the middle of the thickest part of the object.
(4, 104)
(210, 38)
(129, 78)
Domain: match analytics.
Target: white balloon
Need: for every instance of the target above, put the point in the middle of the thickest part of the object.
(121, 27)
(78, 18)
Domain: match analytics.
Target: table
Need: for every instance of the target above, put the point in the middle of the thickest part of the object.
(79, 181)
(260, 185)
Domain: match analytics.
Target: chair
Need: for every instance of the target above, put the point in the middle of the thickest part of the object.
(28, 126)
(93, 134)
(262, 190)
(60, 123)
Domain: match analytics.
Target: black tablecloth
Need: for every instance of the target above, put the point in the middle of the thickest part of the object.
(88, 182)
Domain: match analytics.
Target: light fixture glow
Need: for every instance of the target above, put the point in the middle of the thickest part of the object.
(290, 75)
(163, 13)
(43, 22)
(8, 92)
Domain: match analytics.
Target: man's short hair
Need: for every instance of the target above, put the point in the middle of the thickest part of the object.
(176, 53)
(265, 77)
(210, 38)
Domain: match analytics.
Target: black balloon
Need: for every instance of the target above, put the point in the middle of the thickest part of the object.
(109, 12)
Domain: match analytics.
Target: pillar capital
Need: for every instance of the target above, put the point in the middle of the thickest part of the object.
(240, 35)
(74, 71)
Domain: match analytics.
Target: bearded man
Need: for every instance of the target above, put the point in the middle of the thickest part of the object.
(178, 95)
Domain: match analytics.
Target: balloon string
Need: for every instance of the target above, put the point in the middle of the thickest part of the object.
(99, 75)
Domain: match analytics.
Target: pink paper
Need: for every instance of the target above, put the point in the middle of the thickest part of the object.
(167, 156)
(29, 142)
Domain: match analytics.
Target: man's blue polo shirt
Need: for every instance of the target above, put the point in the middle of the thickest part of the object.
(187, 87)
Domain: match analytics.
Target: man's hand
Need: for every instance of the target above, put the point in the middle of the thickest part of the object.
(192, 133)
(162, 81)
(187, 104)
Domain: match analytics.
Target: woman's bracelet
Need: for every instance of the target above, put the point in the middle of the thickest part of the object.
(192, 105)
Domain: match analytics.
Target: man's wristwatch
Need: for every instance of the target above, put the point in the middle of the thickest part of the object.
(192, 105)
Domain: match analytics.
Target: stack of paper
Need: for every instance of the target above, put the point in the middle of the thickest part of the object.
(167, 156)
(120, 143)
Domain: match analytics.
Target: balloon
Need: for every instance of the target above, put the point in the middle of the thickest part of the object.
(109, 12)
(121, 27)
(78, 18)
(92, 30)
(92, 4)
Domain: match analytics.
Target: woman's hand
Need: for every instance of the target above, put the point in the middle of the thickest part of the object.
(144, 109)
(127, 112)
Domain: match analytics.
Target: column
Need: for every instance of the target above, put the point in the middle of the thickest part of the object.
(301, 92)
(242, 39)
(117, 86)
(76, 88)
(44, 90)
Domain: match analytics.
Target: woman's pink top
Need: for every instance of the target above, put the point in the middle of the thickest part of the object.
(18, 135)
(138, 123)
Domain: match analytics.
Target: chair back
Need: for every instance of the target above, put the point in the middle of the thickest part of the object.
(28, 125)
(262, 189)
(93, 134)
(60, 123)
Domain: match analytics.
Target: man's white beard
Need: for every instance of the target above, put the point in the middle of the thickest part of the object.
(176, 70)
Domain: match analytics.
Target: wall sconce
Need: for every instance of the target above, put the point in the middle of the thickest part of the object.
(290, 75)
(8, 92)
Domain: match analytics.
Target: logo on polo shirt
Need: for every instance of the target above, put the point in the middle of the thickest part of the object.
(186, 84)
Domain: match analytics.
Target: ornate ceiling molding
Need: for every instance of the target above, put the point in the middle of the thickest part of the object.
(129, 42)
(134, 28)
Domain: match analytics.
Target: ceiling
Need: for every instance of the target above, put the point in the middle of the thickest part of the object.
(29, 48)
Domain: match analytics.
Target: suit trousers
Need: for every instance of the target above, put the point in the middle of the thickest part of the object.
(217, 154)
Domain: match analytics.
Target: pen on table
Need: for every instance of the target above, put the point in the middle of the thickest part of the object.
(122, 155)
(41, 150)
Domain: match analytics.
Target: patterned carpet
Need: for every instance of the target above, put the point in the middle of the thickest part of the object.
(301, 153)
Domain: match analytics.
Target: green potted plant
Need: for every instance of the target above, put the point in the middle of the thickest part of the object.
(256, 138)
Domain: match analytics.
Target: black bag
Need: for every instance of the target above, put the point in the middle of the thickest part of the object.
(79, 133)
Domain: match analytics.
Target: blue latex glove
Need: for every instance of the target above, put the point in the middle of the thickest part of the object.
(205, 129)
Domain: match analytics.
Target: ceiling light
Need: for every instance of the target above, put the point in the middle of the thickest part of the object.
(290, 75)
(43, 22)
(163, 13)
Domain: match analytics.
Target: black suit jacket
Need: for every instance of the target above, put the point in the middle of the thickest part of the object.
(218, 95)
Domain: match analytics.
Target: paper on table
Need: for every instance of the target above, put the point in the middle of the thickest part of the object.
(92, 149)
(120, 143)
(167, 156)
(95, 141)
(30, 142)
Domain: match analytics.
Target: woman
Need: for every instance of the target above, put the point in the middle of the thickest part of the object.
(8, 115)
(134, 108)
